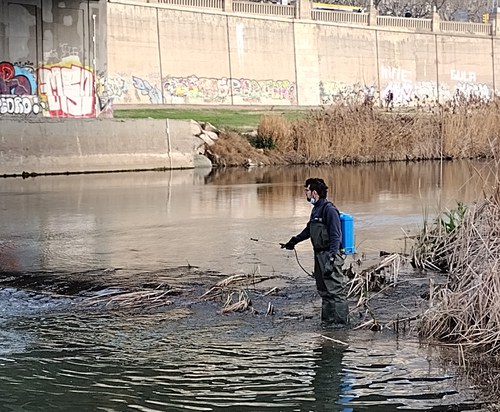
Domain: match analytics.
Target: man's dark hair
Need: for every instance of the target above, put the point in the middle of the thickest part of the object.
(317, 184)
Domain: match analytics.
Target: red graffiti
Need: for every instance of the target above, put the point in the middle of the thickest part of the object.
(13, 84)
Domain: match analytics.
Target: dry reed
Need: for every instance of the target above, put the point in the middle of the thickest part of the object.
(360, 133)
(377, 278)
(374, 278)
(467, 310)
(240, 305)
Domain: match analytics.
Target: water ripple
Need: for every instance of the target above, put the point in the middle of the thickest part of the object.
(116, 362)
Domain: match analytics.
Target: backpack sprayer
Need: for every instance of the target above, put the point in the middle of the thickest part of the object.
(347, 227)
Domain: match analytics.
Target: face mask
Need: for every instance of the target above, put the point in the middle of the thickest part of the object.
(311, 200)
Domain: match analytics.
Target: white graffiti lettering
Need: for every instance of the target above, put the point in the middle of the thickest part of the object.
(20, 105)
(473, 91)
(395, 73)
(69, 90)
(461, 76)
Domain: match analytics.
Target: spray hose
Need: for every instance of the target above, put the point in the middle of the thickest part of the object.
(302, 267)
(296, 255)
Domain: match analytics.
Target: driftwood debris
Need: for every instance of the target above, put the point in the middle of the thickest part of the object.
(126, 299)
(375, 278)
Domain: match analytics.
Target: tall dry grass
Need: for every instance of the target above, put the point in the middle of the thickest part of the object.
(353, 134)
(466, 244)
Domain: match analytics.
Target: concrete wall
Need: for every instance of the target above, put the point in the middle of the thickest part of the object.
(76, 58)
(51, 59)
(89, 145)
(203, 56)
(189, 57)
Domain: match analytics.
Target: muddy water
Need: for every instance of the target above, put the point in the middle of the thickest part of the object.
(65, 237)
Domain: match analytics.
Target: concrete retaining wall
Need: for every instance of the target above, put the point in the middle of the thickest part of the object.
(204, 56)
(79, 145)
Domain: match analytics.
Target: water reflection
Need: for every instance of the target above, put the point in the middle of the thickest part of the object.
(165, 219)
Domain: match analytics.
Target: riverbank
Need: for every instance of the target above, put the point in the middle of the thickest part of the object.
(361, 134)
(157, 139)
(341, 134)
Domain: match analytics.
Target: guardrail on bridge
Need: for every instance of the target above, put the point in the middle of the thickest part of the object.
(304, 9)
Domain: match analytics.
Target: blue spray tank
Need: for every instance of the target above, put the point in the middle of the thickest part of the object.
(347, 226)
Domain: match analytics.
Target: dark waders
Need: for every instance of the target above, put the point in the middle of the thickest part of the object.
(330, 279)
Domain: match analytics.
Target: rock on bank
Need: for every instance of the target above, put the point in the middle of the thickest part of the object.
(53, 146)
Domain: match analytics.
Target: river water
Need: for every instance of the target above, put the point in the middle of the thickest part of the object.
(66, 234)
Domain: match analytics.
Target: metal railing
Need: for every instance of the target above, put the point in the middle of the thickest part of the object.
(270, 9)
(333, 16)
(461, 27)
(340, 17)
(405, 23)
(207, 4)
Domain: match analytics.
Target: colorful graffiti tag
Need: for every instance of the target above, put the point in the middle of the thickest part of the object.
(62, 90)
(68, 90)
(15, 80)
(194, 89)
(205, 90)
(146, 89)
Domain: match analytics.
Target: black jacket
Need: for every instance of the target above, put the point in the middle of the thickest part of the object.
(325, 210)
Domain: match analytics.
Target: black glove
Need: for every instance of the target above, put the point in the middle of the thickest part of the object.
(329, 265)
(290, 245)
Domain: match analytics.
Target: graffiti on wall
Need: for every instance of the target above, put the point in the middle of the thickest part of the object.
(474, 91)
(412, 93)
(146, 89)
(205, 90)
(61, 53)
(61, 90)
(107, 90)
(343, 93)
(463, 76)
(21, 105)
(16, 80)
(18, 89)
(394, 74)
(113, 87)
(223, 90)
(68, 90)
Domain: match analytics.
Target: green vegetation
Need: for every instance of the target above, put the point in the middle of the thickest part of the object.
(240, 120)
(451, 220)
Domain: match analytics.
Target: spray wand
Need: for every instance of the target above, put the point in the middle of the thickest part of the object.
(282, 244)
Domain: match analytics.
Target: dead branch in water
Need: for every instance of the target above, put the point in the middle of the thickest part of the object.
(238, 280)
(375, 278)
(143, 298)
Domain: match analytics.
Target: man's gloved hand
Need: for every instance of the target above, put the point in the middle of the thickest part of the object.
(329, 265)
(290, 245)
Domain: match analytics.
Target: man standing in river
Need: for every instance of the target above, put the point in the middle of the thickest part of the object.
(325, 232)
